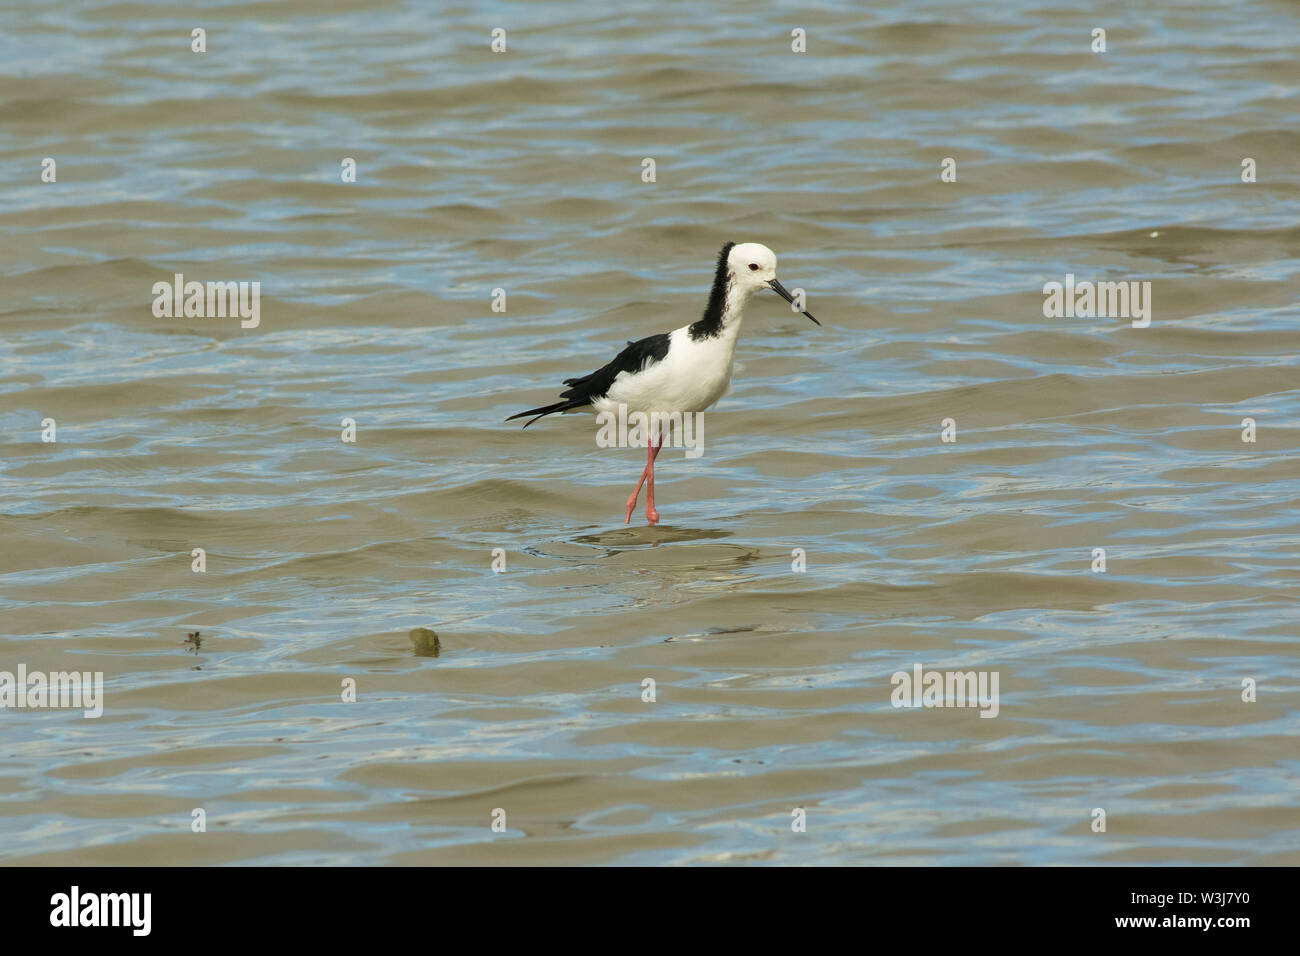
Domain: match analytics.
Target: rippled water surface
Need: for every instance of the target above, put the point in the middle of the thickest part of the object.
(522, 171)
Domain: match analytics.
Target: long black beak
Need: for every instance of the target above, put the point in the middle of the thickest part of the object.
(784, 293)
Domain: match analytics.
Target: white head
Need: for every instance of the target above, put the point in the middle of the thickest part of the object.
(753, 268)
(753, 264)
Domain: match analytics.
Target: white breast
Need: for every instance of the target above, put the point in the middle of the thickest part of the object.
(690, 378)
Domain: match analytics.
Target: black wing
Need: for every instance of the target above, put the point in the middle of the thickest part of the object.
(583, 390)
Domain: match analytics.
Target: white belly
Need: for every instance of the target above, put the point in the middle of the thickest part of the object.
(691, 377)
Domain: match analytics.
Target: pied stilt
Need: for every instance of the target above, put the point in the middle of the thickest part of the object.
(679, 372)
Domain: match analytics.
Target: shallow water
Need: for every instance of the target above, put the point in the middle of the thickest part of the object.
(1118, 690)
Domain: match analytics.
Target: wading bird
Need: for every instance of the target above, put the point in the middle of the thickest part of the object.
(680, 372)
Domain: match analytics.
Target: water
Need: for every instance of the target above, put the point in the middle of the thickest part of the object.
(1118, 690)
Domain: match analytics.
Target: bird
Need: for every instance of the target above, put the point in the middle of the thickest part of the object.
(679, 372)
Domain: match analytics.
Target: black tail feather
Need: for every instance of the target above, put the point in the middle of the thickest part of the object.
(545, 410)
(586, 388)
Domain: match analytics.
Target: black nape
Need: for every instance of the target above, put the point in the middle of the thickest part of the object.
(711, 324)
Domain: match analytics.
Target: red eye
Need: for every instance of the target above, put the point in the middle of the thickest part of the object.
(753, 267)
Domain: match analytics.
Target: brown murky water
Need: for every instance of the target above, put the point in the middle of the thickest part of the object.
(1120, 690)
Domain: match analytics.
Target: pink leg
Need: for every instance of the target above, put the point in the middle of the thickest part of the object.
(651, 515)
(631, 502)
(652, 451)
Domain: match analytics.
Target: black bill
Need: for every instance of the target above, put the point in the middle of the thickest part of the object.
(784, 293)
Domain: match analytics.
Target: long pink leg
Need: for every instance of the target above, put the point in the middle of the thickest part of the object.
(631, 502)
(650, 514)
(651, 452)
